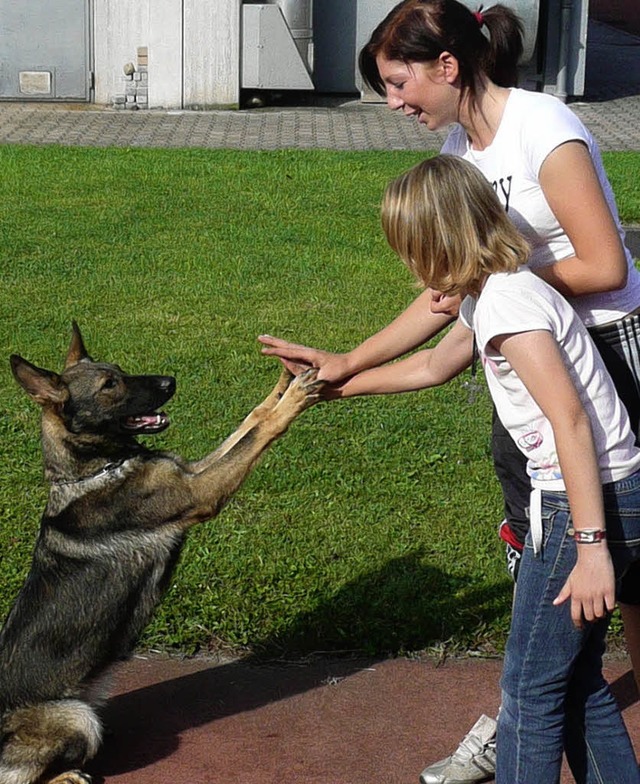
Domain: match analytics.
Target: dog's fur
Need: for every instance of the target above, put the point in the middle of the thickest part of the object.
(110, 536)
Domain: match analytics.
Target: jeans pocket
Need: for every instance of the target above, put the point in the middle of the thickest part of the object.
(549, 516)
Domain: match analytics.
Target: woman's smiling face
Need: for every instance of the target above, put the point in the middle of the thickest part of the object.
(426, 91)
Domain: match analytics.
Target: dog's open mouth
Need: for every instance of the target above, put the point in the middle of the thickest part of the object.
(146, 423)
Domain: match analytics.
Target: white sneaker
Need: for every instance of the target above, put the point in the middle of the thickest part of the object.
(473, 761)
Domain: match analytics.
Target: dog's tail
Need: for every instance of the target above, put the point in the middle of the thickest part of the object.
(37, 737)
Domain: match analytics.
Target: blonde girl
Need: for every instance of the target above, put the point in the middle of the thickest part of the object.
(556, 399)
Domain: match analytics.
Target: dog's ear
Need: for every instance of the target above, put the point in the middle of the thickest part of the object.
(76, 351)
(43, 386)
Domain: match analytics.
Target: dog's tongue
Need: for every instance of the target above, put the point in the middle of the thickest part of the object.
(147, 422)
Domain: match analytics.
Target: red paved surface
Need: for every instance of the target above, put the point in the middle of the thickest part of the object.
(327, 722)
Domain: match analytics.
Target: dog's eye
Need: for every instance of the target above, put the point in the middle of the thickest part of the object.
(109, 383)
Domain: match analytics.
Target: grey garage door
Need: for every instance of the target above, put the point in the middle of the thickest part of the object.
(45, 50)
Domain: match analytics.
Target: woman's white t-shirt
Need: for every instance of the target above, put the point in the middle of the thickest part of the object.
(532, 126)
(512, 303)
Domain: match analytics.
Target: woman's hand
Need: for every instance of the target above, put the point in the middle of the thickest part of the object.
(590, 586)
(297, 358)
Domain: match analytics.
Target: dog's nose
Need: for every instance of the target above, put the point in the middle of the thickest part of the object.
(167, 384)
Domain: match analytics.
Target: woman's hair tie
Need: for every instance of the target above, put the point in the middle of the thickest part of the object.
(479, 16)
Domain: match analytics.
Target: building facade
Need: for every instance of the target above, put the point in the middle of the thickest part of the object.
(203, 54)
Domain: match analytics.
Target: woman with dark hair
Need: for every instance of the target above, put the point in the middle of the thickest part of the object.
(417, 31)
(443, 64)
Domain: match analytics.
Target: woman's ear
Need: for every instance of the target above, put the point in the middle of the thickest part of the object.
(449, 67)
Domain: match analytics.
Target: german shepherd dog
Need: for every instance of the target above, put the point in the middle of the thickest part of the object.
(111, 533)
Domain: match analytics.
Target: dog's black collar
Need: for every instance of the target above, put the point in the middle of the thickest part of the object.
(106, 469)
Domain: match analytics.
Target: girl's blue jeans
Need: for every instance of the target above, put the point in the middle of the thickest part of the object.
(554, 695)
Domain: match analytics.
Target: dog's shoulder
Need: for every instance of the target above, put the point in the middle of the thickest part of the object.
(142, 491)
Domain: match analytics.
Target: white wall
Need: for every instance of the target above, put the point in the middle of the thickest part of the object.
(212, 53)
(165, 53)
(118, 29)
(193, 46)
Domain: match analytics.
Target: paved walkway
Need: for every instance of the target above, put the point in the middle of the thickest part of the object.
(343, 124)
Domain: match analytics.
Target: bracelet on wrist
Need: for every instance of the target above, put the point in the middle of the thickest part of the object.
(588, 535)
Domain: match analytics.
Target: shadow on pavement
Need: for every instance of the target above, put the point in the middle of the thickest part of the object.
(406, 603)
(177, 705)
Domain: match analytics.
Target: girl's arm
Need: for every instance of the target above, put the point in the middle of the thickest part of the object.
(413, 327)
(535, 356)
(427, 368)
(571, 187)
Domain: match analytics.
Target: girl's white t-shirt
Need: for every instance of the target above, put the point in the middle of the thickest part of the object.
(532, 126)
(512, 303)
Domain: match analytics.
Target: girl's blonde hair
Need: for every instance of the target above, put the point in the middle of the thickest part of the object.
(445, 222)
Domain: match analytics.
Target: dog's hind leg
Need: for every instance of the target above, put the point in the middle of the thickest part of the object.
(45, 736)
(72, 777)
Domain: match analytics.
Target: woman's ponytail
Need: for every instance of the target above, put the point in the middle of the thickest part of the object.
(505, 45)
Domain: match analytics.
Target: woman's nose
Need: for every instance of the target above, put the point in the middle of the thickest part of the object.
(394, 101)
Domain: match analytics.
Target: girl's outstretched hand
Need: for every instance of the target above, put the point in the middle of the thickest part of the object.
(297, 358)
(590, 586)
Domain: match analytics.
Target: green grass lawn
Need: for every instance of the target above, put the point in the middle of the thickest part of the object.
(372, 525)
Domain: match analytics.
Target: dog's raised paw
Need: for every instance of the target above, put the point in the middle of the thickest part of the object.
(305, 389)
(309, 382)
(71, 777)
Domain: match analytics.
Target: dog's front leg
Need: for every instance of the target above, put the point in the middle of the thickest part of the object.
(217, 479)
(257, 414)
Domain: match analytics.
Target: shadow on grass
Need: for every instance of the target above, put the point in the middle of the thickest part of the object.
(408, 604)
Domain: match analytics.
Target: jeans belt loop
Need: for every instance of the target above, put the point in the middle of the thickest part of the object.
(535, 514)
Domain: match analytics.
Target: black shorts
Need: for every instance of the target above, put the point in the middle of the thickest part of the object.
(629, 589)
(619, 347)
(511, 469)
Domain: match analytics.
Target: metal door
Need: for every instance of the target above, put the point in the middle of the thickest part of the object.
(45, 50)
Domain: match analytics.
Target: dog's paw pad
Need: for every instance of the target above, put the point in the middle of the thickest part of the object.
(71, 777)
